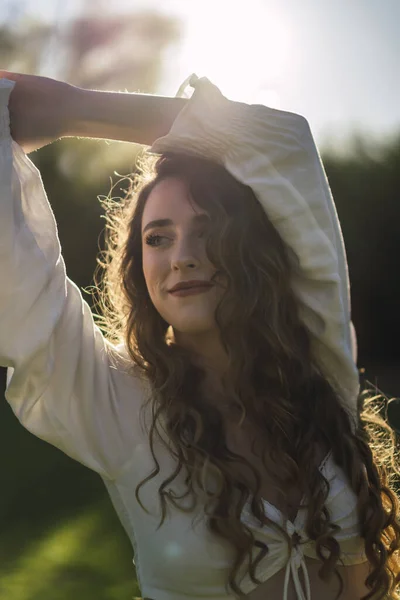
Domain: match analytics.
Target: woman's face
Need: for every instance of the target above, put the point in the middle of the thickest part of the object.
(174, 233)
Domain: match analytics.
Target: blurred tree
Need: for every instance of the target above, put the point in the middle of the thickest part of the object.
(22, 45)
(365, 186)
(109, 51)
(95, 50)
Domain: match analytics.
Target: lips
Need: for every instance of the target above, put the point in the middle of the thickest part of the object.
(187, 285)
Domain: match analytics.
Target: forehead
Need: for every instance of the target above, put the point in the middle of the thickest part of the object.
(170, 199)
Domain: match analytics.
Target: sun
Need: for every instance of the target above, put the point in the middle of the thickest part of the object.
(242, 48)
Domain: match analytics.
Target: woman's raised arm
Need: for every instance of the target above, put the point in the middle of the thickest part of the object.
(140, 118)
(43, 110)
(65, 382)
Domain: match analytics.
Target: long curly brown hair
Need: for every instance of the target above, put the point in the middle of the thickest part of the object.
(273, 378)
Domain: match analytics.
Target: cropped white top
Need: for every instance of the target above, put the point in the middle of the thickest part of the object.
(69, 387)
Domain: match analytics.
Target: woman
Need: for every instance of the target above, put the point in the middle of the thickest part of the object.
(221, 407)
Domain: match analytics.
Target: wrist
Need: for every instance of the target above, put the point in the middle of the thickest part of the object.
(77, 120)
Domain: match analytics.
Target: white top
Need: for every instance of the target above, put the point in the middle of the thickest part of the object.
(69, 387)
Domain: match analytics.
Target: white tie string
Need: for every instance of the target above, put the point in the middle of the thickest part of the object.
(296, 560)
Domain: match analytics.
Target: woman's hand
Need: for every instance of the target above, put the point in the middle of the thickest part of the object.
(40, 109)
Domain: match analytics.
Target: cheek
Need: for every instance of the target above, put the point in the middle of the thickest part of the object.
(154, 271)
(148, 271)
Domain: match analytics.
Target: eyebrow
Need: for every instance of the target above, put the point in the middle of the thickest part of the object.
(166, 222)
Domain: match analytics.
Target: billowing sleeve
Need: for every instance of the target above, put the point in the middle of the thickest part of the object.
(65, 383)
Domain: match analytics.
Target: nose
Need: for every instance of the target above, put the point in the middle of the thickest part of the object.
(185, 256)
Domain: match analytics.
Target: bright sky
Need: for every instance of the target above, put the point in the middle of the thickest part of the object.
(337, 63)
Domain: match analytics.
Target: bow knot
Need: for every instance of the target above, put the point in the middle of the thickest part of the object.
(297, 557)
(296, 560)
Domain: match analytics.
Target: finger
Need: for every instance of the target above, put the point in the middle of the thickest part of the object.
(9, 75)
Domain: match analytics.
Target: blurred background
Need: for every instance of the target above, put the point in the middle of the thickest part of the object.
(335, 63)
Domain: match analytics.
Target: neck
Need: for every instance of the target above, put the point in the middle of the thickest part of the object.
(206, 351)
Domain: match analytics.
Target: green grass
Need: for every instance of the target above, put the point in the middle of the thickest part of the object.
(84, 557)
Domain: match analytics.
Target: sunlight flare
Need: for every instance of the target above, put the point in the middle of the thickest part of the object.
(244, 49)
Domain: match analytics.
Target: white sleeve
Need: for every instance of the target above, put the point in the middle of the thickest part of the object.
(65, 383)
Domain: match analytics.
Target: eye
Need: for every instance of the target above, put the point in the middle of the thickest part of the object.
(153, 239)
